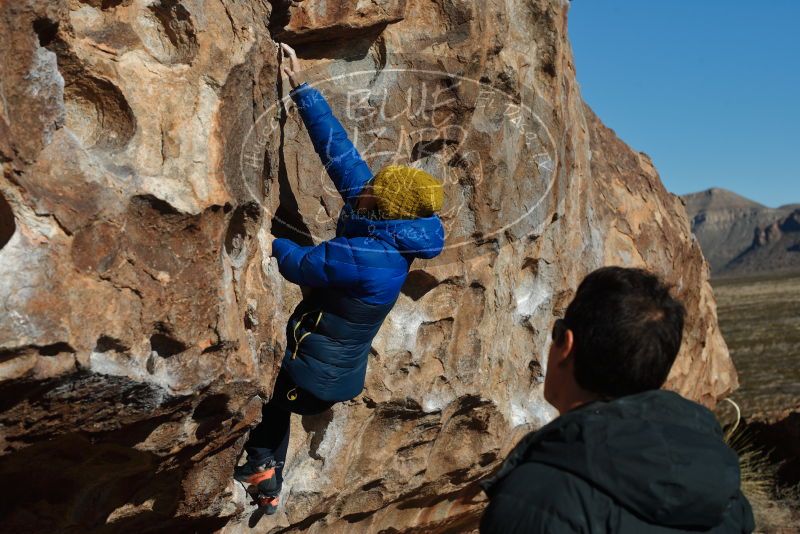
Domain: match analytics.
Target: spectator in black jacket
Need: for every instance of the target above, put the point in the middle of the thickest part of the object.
(624, 456)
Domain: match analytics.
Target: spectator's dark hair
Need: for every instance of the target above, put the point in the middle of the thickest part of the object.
(627, 330)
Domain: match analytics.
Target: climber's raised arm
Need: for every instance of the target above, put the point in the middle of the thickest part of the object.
(340, 157)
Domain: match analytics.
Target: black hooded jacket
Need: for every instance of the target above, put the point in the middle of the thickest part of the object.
(651, 462)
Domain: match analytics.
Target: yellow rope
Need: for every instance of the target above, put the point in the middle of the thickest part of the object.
(297, 325)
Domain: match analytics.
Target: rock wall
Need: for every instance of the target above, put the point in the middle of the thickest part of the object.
(149, 157)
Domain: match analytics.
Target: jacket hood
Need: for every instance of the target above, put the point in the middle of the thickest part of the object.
(419, 238)
(657, 454)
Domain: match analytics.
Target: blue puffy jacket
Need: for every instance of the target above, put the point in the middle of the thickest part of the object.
(356, 277)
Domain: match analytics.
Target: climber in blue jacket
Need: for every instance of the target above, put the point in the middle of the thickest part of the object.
(388, 220)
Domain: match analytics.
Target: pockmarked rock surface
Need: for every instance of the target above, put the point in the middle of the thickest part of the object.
(150, 155)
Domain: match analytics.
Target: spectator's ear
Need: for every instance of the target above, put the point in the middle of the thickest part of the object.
(563, 348)
(559, 377)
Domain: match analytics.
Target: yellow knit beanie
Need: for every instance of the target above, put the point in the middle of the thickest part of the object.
(407, 193)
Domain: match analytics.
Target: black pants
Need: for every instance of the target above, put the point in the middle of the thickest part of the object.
(270, 439)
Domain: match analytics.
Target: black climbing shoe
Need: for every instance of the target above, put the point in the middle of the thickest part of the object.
(263, 477)
(267, 503)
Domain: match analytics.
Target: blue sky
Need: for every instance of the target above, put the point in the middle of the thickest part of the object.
(710, 89)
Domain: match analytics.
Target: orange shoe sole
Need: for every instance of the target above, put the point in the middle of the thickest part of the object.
(259, 477)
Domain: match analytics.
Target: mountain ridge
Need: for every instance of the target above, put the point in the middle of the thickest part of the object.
(740, 236)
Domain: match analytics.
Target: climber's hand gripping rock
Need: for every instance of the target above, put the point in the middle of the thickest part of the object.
(290, 65)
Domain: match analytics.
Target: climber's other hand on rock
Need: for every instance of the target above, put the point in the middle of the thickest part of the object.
(267, 242)
(290, 65)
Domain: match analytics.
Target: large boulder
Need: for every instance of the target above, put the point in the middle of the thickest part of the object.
(150, 155)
